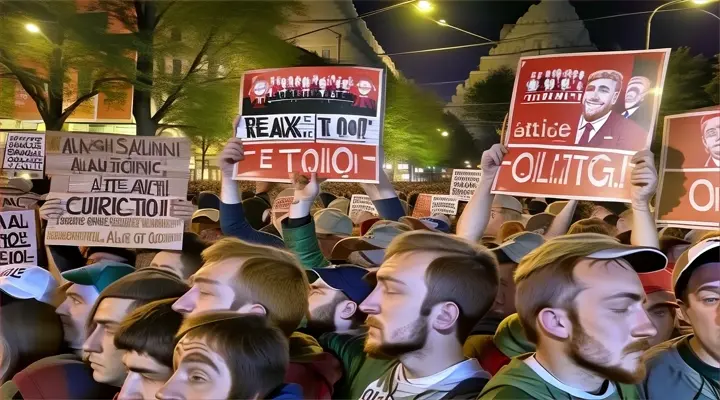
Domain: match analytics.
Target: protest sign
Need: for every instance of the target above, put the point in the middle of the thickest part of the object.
(327, 120)
(115, 220)
(447, 205)
(360, 203)
(281, 206)
(24, 155)
(575, 122)
(18, 238)
(689, 187)
(423, 205)
(19, 201)
(464, 183)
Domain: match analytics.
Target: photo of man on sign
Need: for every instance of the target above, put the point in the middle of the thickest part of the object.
(710, 128)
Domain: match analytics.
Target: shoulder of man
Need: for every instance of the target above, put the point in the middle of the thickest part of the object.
(504, 393)
(467, 389)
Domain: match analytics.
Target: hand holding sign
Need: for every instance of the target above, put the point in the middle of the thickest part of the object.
(644, 180)
(52, 209)
(491, 161)
(232, 153)
(182, 209)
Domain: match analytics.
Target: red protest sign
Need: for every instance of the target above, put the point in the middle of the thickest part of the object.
(423, 204)
(312, 119)
(575, 122)
(689, 187)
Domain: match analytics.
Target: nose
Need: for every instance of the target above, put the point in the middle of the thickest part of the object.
(185, 304)
(93, 344)
(371, 305)
(130, 388)
(171, 390)
(64, 308)
(644, 328)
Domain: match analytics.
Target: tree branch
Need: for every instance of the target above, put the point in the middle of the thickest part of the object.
(93, 92)
(162, 13)
(162, 111)
(26, 82)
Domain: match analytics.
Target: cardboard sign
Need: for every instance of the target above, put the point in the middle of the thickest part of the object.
(24, 155)
(689, 187)
(447, 205)
(327, 120)
(575, 122)
(115, 220)
(464, 183)
(360, 203)
(19, 201)
(423, 205)
(18, 238)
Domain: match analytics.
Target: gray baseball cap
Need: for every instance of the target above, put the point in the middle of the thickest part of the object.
(517, 246)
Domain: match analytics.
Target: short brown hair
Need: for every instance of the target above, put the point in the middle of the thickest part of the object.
(29, 331)
(269, 276)
(591, 225)
(256, 352)
(607, 74)
(464, 273)
(544, 278)
(151, 329)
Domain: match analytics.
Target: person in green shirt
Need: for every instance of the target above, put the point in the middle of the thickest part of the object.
(580, 300)
(432, 288)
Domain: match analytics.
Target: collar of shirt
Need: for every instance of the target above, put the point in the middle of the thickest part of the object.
(549, 378)
(632, 110)
(596, 126)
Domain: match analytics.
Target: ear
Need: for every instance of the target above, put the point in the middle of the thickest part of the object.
(683, 309)
(446, 317)
(555, 322)
(615, 97)
(347, 309)
(252, 309)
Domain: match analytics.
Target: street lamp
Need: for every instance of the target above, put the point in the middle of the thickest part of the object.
(444, 133)
(424, 6)
(32, 28)
(442, 22)
(647, 31)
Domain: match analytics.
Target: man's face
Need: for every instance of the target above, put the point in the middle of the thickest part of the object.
(635, 92)
(144, 378)
(105, 359)
(600, 95)
(661, 314)
(497, 218)
(711, 137)
(200, 373)
(610, 328)
(703, 307)
(364, 87)
(395, 326)
(74, 312)
(169, 261)
(505, 298)
(210, 289)
(323, 302)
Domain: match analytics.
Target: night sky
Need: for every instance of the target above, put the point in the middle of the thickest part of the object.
(402, 29)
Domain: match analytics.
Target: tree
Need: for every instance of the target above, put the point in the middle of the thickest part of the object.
(69, 60)
(463, 147)
(488, 101)
(713, 88)
(199, 48)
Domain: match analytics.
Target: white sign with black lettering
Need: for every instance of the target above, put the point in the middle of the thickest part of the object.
(348, 128)
(464, 183)
(277, 127)
(447, 205)
(360, 203)
(18, 238)
(24, 154)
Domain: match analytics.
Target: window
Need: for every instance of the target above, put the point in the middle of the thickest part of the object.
(176, 68)
(326, 53)
(419, 170)
(405, 177)
(387, 166)
(403, 167)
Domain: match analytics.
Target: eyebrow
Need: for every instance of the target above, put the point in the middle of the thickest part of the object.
(202, 359)
(106, 322)
(200, 279)
(708, 286)
(624, 295)
(141, 370)
(390, 279)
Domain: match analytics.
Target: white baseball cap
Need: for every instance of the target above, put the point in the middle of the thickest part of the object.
(27, 282)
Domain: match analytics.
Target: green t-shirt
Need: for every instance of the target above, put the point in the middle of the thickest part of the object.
(359, 369)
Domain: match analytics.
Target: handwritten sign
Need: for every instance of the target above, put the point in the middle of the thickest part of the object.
(575, 122)
(24, 155)
(360, 203)
(689, 187)
(19, 201)
(18, 238)
(447, 205)
(312, 119)
(115, 220)
(464, 183)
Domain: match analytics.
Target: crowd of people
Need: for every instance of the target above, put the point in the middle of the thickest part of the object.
(513, 299)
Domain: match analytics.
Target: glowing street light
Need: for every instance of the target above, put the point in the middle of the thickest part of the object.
(649, 22)
(467, 162)
(424, 6)
(701, 2)
(445, 133)
(442, 22)
(32, 28)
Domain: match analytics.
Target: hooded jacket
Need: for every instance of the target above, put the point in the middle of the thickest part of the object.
(287, 392)
(518, 381)
(312, 368)
(510, 338)
(495, 351)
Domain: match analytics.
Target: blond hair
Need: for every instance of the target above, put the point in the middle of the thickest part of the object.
(591, 225)
(269, 276)
(544, 278)
(607, 74)
(464, 273)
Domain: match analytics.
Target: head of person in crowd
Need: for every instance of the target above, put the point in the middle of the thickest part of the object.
(601, 209)
(580, 300)
(82, 290)
(203, 219)
(116, 254)
(673, 247)
(112, 306)
(340, 203)
(29, 331)
(331, 226)
(504, 208)
(696, 281)
(509, 254)
(508, 229)
(181, 263)
(539, 223)
(368, 250)
(661, 305)
(625, 221)
(225, 355)
(536, 205)
(591, 225)
(249, 279)
(335, 296)
(432, 288)
(147, 336)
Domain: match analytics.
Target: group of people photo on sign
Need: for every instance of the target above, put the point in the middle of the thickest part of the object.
(557, 79)
(318, 285)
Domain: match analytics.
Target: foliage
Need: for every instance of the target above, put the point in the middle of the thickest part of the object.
(462, 144)
(488, 102)
(713, 88)
(46, 61)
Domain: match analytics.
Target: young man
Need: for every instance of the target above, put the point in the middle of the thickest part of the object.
(254, 279)
(182, 263)
(225, 355)
(112, 306)
(83, 288)
(147, 335)
(431, 290)
(580, 301)
(689, 367)
(335, 296)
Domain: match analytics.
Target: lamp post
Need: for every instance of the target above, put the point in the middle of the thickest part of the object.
(649, 23)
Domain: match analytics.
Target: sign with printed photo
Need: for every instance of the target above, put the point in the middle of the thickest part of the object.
(326, 119)
(575, 122)
(24, 155)
(18, 238)
(464, 183)
(689, 187)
